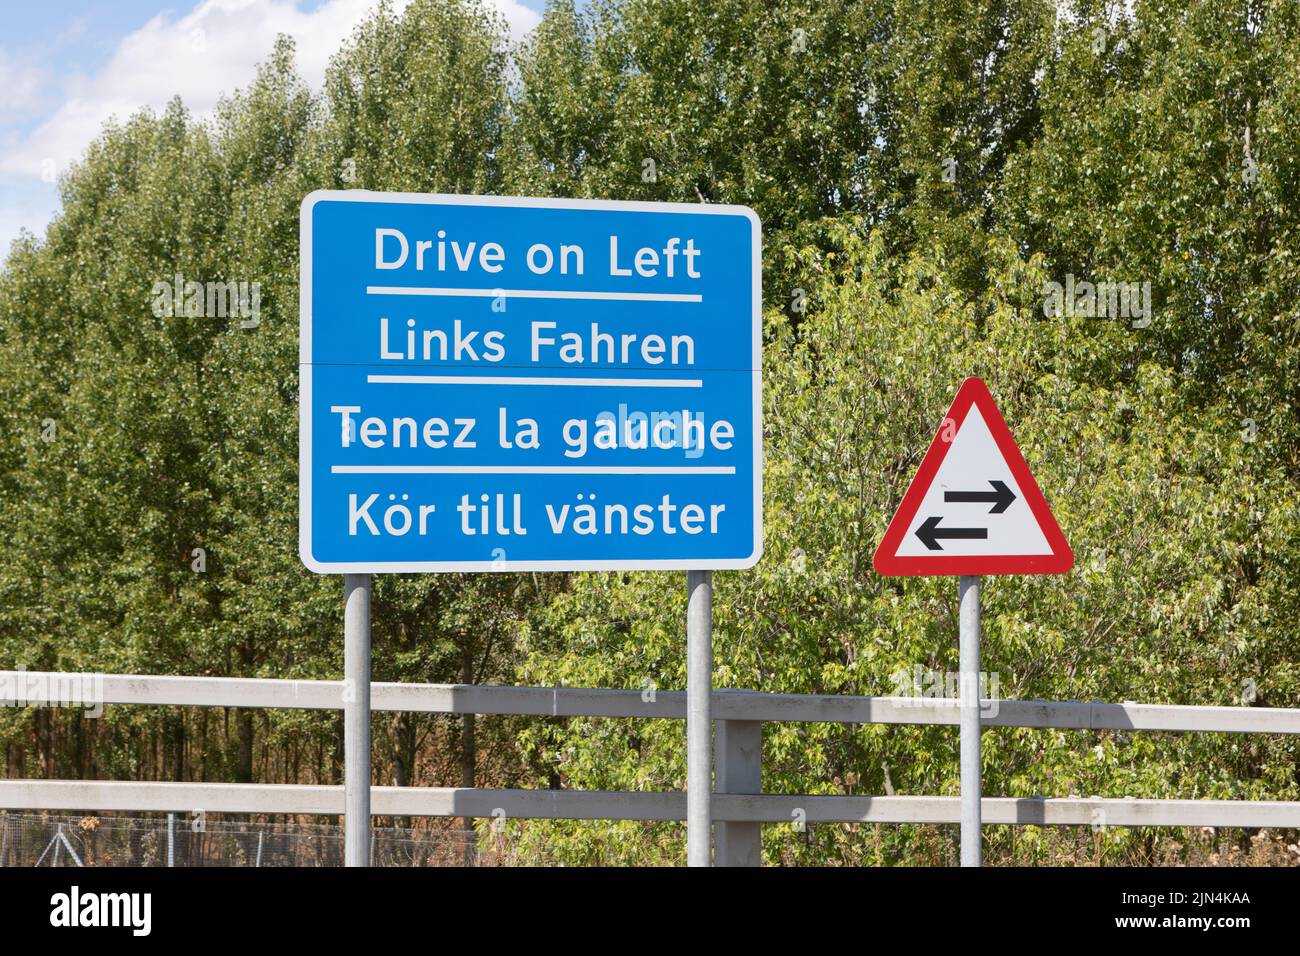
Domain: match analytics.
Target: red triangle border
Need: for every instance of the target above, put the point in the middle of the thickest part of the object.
(973, 393)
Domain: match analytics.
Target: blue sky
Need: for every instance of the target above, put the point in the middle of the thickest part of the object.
(65, 67)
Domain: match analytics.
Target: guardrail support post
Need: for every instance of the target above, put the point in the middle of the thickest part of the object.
(740, 770)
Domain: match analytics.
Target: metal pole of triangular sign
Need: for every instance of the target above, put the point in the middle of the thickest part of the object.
(968, 590)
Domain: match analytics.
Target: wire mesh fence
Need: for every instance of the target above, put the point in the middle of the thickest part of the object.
(42, 839)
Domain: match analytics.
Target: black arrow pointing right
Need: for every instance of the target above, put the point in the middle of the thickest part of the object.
(1000, 497)
(930, 533)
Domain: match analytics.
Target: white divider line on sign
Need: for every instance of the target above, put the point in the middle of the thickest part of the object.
(532, 470)
(537, 294)
(533, 380)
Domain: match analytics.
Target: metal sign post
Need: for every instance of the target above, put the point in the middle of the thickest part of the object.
(356, 719)
(699, 720)
(968, 590)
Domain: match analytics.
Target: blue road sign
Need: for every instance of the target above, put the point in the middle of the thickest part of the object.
(507, 384)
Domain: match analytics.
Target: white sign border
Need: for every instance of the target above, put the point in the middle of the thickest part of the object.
(305, 385)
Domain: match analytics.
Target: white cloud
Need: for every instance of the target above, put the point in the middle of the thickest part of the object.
(21, 86)
(211, 51)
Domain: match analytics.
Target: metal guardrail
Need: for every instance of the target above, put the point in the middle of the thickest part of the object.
(264, 693)
(739, 806)
(621, 805)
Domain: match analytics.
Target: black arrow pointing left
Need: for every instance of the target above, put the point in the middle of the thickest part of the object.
(930, 533)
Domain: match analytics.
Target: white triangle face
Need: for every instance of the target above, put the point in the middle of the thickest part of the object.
(971, 464)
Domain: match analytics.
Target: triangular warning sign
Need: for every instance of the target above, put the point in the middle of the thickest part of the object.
(973, 507)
